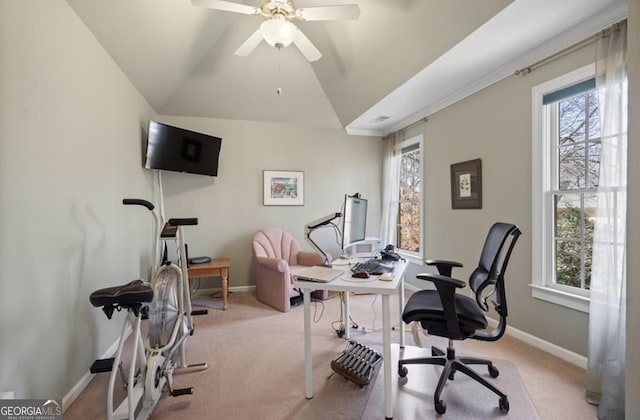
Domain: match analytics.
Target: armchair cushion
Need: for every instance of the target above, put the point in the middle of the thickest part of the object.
(277, 258)
(274, 264)
(308, 259)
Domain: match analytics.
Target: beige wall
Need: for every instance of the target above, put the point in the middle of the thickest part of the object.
(229, 207)
(495, 126)
(70, 129)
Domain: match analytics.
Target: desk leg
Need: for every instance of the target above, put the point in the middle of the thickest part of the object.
(386, 356)
(308, 387)
(401, 306)
(347, 329)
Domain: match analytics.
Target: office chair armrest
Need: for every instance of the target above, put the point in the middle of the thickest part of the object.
(439, 279)
(273, 264)
(444, 266)
(446, 287)
(310, 258)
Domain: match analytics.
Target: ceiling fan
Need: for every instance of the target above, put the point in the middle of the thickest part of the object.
(277, 29)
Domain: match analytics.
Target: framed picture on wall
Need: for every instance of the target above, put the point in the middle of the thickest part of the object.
(283, 188)
(466, 185)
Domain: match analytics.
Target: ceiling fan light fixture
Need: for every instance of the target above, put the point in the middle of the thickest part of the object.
(278, 32)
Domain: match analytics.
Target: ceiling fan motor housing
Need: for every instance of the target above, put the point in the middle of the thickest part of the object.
(279, 7)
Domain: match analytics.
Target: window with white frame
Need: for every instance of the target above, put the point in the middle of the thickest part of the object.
(409, 225)
(566, 165)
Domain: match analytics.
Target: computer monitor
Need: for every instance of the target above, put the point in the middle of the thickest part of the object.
(354, 220)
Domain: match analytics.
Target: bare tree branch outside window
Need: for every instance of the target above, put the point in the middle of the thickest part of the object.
(408, 232)
(579, 146)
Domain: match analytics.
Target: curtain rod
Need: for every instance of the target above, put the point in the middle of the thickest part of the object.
(585, 41)
(413, 124)
(406, 127)
(588, 40)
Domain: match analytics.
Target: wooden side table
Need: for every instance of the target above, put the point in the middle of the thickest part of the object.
(218, 267)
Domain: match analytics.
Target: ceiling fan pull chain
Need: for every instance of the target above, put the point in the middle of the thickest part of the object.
(279, 89)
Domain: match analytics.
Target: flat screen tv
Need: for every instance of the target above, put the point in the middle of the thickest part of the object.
(176, 149)
(354, 220)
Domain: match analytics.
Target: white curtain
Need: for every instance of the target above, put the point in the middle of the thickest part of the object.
(390, 186)
(608, 277)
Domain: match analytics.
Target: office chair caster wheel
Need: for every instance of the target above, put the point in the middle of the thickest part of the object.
(441, 407)
(504, 405)
(493, 371)
(402, 371)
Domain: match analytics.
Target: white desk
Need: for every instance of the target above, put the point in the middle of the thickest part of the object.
(346, 284)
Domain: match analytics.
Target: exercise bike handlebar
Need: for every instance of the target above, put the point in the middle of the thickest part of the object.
(137, 202)
(189, 221)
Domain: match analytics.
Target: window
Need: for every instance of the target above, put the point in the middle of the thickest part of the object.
(577, 149)
(409, 224)
(566, 164)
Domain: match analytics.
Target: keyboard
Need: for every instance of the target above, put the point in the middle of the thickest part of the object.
(372, 266)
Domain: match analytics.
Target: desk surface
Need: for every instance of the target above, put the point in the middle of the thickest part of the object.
(347, 283)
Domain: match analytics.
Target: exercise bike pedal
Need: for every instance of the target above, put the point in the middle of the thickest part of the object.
(102, 365)
(182, 391)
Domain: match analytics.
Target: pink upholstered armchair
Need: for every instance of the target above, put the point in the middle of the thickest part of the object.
(277, 256)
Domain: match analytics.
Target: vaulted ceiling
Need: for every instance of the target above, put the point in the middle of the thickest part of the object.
(400, 61)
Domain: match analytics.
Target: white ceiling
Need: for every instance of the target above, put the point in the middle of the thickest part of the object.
(402, 59)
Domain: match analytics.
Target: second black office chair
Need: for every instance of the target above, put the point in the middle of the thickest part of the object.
(444, 313)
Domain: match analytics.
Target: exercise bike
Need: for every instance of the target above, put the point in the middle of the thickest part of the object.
(166, 302)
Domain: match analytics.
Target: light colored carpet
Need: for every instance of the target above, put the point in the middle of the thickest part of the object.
(256, 370)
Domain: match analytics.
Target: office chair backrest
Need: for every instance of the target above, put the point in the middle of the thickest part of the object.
(490, 272)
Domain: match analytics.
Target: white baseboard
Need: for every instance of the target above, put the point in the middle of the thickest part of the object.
(211, 290)
(561, 352)
(77, 389)
(242, 288)
(7, 395)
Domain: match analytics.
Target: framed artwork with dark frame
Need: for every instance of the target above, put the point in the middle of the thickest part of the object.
(466, 185)
(283, 188)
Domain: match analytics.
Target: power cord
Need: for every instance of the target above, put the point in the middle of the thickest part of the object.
(340, 330)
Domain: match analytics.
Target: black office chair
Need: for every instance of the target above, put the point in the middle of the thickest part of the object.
(444, 313)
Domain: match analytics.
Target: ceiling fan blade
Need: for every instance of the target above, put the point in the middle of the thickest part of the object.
(227, 6)
(306, 47)
(340, 12)
(250, 44)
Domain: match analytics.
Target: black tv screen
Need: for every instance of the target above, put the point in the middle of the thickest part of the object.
(176, 149)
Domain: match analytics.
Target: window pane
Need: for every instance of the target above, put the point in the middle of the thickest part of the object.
(409, 206)
(590, 204)
(593, 175)
(594, 116)
(409, 238)
(588, 253)
(568, 216)
(571, 161)
(568, 263)
(572, 119)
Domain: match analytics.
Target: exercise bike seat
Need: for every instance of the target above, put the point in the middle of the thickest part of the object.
(131, 296)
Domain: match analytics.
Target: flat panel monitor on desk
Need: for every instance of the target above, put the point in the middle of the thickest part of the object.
(354, 220)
